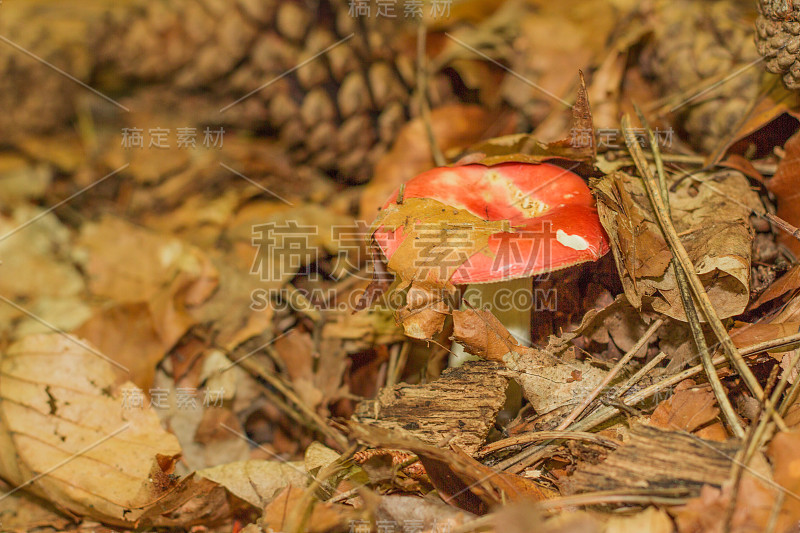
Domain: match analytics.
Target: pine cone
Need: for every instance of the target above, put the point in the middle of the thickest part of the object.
(778, 38)
(694, 44)
(338, 111)
(34, 97)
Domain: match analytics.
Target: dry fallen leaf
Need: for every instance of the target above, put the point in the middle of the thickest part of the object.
(788, 282)
(67, 435)
(651, 520)
(431, 515)
(713, 221)
(128, 332)
(784, 185)
(21, 511)
(322, 517)
(256, 482)
(707, 512)
(36, 270)
(128, 264)
(687, 409)
(425, 311)
(482, 334)
(784, 451)
(450, 237)
(550, 378)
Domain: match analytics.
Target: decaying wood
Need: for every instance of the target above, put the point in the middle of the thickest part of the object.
(656, 459)
(459, 408)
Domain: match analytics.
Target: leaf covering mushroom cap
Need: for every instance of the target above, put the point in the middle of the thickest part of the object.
(553, 222)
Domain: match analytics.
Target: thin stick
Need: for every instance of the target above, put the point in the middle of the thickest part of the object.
(321, 425)
(762, 432)
(683, 284)
(772, 523)
(790, 398)
(785, 226)
(642, 372)
(531, 455)
(663, 497)
(680, 254)
(422, 93)
(397, 363)
(616, 496)
(526, 458)
(610, 375)
(781, 342)
(527, 438)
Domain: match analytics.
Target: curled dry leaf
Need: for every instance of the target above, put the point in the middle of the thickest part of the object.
(66, 435)
(194, 501)
(482, 334)
(425, 311)
(712, 219)
(256, 482)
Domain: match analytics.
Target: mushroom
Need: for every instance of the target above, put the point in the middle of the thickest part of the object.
(555, 226)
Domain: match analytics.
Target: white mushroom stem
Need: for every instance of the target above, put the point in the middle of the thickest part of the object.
(511, 301)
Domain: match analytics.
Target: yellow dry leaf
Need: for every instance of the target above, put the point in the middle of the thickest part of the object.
(70, 434)
(437, 238)
(256, 482)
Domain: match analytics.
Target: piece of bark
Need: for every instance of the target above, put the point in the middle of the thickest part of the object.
(657, 459)
(458, 408)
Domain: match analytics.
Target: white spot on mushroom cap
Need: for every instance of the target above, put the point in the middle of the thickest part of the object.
(576, 242)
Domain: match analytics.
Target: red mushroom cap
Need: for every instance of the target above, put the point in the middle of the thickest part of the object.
(551, 209)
